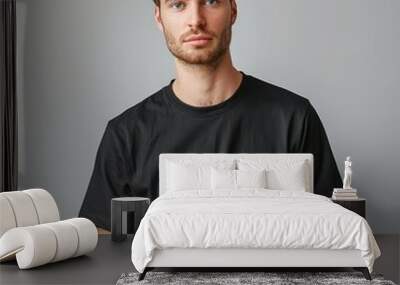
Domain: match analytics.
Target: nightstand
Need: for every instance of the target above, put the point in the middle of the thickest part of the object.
(357, 205)
(120, 207)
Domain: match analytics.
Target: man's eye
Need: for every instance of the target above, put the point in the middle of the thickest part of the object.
(177, 5)
(212, 2)
(181, 4)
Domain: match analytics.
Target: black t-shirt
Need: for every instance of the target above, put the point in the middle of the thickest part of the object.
(258, 118)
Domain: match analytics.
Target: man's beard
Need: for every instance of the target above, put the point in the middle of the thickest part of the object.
(203, 55)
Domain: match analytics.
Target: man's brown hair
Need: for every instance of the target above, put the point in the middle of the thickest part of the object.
(157, 2)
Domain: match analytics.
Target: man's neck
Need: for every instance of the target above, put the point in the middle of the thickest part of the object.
(201, 86)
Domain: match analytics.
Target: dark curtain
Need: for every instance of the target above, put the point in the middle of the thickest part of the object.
(8, 100)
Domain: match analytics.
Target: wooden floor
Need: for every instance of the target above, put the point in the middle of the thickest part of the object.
(111, 259)
(101, 231)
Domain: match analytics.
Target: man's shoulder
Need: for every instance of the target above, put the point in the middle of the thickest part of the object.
(277, 96)
(138, 111)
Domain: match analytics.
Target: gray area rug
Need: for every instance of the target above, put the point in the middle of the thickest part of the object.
(229, 278)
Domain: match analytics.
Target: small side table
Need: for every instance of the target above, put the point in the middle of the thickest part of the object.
(357, 206)
(119, 208)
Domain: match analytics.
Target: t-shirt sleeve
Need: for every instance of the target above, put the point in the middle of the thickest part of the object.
(110, 178)
(313, 139)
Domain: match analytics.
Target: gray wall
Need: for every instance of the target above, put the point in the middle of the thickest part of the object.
(82, 62)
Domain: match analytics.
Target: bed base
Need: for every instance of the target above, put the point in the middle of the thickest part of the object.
(243, 259)
(142, 275)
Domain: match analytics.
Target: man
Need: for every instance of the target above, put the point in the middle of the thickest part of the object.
(210, 107)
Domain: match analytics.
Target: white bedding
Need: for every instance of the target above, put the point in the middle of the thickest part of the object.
(250, 218)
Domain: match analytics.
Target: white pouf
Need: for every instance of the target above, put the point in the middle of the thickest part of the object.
(7, 218)
(40, 244)
(26, 208)
(31, 230)
(45, 205)
(22, 207)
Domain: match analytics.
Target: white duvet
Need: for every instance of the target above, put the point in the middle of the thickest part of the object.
(250, 218)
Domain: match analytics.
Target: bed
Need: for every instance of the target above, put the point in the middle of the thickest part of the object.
(247, 210)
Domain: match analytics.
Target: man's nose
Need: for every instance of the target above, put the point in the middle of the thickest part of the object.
(196, 16)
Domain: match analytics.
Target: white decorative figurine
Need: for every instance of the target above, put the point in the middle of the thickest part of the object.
(347, 174)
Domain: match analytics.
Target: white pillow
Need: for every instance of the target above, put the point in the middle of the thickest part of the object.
(223, 179)
(251, 178)
(235, 179)
(281, 174)
(289, 179)
(192, 174)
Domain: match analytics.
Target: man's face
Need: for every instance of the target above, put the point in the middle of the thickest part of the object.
(212, 20)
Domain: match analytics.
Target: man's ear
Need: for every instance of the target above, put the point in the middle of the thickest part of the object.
(234, 11)
(157, 18)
